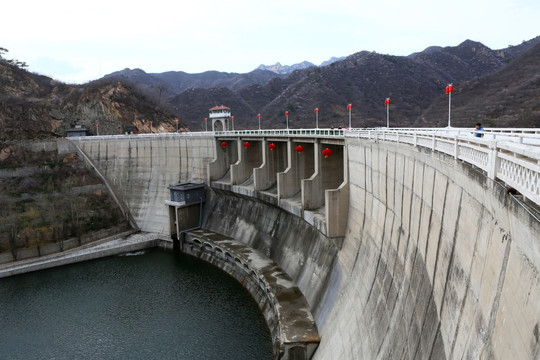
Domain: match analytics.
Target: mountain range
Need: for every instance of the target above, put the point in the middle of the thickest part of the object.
(287, 69)
(496, 87)
(415, 84)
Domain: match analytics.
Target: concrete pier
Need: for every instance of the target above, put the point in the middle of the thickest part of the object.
(292, 326)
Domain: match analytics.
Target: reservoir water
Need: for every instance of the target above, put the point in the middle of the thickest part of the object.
(155, 305)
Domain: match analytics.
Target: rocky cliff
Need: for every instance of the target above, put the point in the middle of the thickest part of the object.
(37, 107)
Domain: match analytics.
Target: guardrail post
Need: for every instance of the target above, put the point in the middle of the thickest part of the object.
(493, 160)
(415, 139)
(433, 142)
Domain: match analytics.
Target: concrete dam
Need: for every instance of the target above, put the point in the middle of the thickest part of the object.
(405, 246)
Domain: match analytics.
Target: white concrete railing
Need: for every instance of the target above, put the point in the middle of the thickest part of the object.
(512, 157)
(523, 136)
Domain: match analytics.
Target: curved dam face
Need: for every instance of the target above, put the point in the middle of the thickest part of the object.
(437, 261)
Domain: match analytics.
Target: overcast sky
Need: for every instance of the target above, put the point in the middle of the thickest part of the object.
(76, 41)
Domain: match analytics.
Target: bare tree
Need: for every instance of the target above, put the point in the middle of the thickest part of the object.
(161, 87)
(13, 228)
(76, 212)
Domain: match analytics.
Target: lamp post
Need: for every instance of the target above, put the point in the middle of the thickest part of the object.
(287, 119)
(349, 107)
(205, 124)
(387, 104)
(316, 118)
(97, 129)
(232, 123)
(259, 117)
(176, 121)
(449, 90)
(151, 123)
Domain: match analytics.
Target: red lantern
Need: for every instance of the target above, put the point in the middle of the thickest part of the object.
(224, 144)
(259, 116)
(449, 89)
(387, 102)
(299, 149)
(205, 119)
(247, 145)
(232, 117)
(349, 107)
(316, 110)
(272, 146)
(286, 113)
(327, 152)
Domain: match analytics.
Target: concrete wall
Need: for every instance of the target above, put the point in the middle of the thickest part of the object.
(300, 166)
(302, 251)
(139, 169)
(437, 261)
(225, 156)
(249, 159)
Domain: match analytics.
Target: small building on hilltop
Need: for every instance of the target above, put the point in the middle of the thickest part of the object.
(77, 131)
(130, 130)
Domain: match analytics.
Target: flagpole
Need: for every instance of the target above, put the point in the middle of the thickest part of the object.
(350, 109)
(387, 104)
(449, 90)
